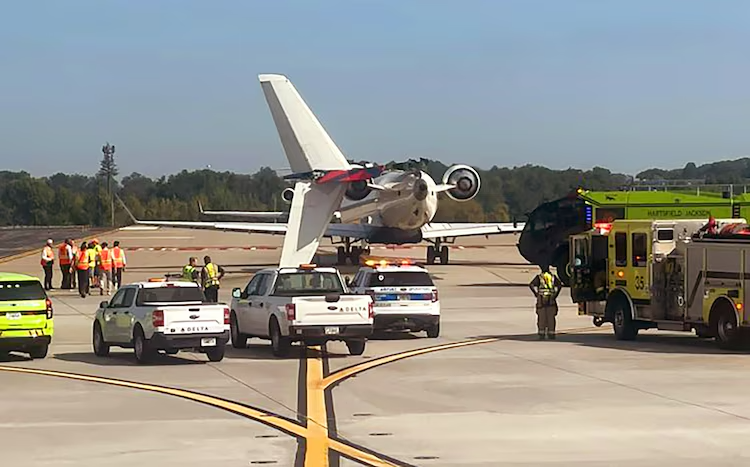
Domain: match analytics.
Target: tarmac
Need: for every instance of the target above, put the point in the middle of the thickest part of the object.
(485, 393)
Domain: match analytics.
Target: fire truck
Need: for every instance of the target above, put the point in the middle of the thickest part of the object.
(671, 275)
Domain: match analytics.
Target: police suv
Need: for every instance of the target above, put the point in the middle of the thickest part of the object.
(405, 296)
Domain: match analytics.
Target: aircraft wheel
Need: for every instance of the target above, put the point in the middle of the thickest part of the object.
(430, 254)
(444, 255)
(341, 260)
(356, 253)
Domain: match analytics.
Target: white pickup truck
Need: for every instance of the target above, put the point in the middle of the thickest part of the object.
(161, 315)
(309, 304)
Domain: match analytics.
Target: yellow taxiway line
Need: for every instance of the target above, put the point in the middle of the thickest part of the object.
(316, 434)
(275, 421)
(316, 451)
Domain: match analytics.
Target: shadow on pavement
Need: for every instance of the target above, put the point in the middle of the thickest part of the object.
(645, 343)
(260, 351)
(125, 358)
(491, 263)
(393, 336)
(14, 357)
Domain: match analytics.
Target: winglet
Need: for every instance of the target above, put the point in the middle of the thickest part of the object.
(306, 143)
(136, 221)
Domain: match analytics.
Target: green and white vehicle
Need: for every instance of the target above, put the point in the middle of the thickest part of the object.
(26, 323)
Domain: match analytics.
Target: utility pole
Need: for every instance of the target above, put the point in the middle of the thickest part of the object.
(109, 156)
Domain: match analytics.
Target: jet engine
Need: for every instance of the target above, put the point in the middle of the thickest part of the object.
(357, 191)
(465, 180)
(287, 195)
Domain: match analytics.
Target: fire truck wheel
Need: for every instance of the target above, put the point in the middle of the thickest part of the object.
(727, 333)
(625, 329)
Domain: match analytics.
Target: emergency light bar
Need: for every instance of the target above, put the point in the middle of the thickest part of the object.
(383, 262)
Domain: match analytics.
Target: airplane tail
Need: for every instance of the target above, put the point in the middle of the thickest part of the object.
(306, 143)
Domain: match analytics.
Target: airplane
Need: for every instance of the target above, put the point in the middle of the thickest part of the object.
(371, 205)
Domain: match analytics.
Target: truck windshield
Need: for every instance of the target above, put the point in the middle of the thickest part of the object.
(400, 279)
(308, 283)
(21, 290)
(169, 295)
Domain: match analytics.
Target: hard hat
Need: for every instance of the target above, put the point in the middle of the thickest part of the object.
(49, 241)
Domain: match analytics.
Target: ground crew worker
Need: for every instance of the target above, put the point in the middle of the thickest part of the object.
(65, 257)
(118, 264)
(105, 265)
(211, 276)
(94, 250)
(82, 270)
(546, 286)
(74, 254)
(189, 272)
(48, 260)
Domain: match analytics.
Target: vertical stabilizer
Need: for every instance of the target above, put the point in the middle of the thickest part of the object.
(306, 143)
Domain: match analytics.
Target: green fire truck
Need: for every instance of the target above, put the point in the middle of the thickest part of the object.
(544, 239)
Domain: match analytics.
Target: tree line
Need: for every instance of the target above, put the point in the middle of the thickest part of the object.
(506, 193)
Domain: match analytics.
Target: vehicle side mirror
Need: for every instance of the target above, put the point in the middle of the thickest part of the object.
(348, 281)
(236, 293)
(104, 304)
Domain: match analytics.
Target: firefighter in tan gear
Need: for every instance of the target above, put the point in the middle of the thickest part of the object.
(546, 287)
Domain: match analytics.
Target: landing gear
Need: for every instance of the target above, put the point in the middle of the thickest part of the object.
(351, 253)
(438, 251)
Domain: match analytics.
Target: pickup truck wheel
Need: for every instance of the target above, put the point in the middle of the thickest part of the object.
(216, 354)
(239, 340)
(101, 348)
(142, 347)
(433, 331)
(280, 345)
(356, 347)
(39, 351)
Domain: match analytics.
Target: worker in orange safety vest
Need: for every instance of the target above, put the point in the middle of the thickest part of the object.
(118, 263)
(65, 258)
(82, 269)
(105, 269)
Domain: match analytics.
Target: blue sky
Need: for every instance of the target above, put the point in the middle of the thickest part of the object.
(173, 83)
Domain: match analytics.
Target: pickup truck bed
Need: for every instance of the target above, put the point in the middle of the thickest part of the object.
(311, 305)
(161, 316)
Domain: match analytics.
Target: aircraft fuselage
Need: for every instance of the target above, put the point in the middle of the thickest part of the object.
(407, 202)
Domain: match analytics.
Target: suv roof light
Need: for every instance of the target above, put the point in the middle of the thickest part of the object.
(383, 262)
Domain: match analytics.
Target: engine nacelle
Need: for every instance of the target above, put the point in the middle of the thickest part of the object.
(466, 181)
(357, 191)
(287, 195)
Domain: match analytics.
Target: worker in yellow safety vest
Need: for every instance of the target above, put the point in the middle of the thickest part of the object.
(189, 272)
(93, 252)
(211, 275)
(546, 287)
